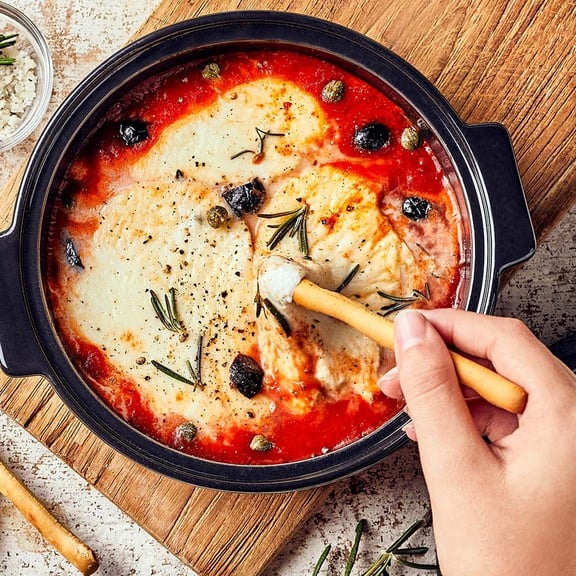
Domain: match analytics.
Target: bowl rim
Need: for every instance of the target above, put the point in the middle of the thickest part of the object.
(45, 72)
(189, 37)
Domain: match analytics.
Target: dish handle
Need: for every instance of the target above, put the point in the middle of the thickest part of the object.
(20, 352)
(514, 237)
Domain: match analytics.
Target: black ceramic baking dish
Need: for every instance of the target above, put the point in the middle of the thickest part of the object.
(479, 159)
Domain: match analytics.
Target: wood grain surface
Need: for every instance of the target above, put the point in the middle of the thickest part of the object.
(512, 62)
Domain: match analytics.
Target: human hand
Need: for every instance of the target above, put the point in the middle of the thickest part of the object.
(507, 507)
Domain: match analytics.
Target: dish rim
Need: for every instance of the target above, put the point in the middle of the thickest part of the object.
(244, 478)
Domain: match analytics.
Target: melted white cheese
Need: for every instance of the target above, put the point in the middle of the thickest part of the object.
(203, 146)
(278, 278)
(156, 237)
(153, 235)
(345, 228)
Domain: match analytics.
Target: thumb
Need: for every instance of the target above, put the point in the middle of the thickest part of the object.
(447, 435)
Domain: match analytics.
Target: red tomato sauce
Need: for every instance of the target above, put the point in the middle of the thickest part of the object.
(331, 424)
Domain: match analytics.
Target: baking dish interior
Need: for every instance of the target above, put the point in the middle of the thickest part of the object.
(82, 114)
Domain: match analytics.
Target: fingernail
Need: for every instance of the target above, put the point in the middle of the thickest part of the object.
(392, 374)
(410, 431)
(409, 329)
(408, 427)
(389, 383)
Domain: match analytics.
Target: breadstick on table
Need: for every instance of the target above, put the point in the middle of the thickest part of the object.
(72, 548)
(489, 385)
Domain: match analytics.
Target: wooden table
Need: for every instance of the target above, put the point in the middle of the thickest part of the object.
(511, 62)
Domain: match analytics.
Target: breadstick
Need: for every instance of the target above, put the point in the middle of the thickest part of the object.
(73, 549)
(489, 385)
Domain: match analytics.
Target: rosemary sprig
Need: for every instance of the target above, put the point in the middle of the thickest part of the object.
(395, 553)
(194, 375)
(401, 302)
(423, 295)
(321, 560)
(354, 550)
(168, 313)
(278, 316)
(258, 301)
(173, 374)
(262, 135)
(263, 304)
(5, 42)
(348, 278)
(195, 378)
(294, 225)
(198, 360)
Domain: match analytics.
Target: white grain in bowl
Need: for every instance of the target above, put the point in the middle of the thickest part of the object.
(26, 85)
(18, 83)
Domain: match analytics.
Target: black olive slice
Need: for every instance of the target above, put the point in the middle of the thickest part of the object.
(72, 255)
(245, 199)
(372, 137)
(133, 131)
(415, 208)
(246, 375)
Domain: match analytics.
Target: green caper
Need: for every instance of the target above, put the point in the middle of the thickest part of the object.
(333, 91)
(187, 431)
(211, 71)
(410, 138)
(260, 443)
(217, 216)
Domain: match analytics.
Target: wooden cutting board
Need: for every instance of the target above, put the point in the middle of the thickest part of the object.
(512, 62)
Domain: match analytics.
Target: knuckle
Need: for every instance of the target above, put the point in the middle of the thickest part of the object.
(517, 327)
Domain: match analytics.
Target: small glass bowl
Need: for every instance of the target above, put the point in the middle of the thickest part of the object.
(30, 40)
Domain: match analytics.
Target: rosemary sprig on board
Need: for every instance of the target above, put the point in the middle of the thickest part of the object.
(7, 40)
(294, 225)
(321, 560)
(354, 550)
(395, 553)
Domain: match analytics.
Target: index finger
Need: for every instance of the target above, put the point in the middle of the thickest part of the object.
(511, 347)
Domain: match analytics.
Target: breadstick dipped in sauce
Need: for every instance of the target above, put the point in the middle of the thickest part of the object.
(283, 281)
